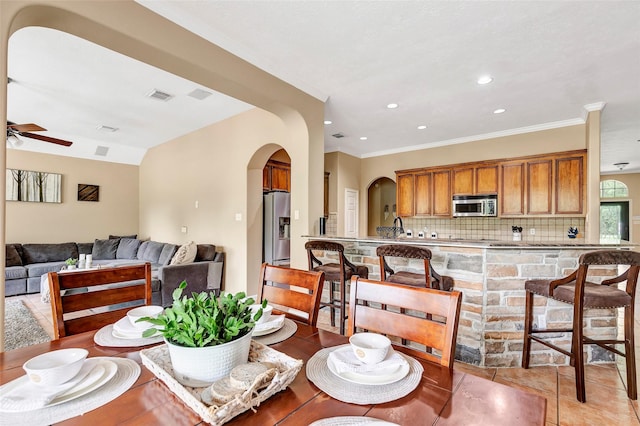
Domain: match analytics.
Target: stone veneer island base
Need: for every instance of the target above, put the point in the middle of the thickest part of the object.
(491, 276)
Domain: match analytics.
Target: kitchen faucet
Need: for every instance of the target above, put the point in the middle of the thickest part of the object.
(399, 219)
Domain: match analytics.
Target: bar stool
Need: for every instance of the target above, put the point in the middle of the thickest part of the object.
(576, 290)
(336, 274)
(435, 280)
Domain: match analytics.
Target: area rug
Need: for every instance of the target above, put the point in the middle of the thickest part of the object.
(21, 328)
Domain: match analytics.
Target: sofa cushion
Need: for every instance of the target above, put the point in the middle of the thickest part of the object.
(128, 248)
(15, 272)
(185, 254)
(85, 248)
(167, 254)
(36, 270)
(105, 249)
(117, 237)
(41, 253)
(12, 256)
(205, 253)
(150, 251)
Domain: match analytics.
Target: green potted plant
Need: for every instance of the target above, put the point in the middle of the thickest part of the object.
(207, 335)
(71, 263)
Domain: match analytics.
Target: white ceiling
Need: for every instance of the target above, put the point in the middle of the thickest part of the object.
(548, 59)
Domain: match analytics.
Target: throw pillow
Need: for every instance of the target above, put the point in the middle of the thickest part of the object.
(185, 254)
(117, 237)
(104, 249)
(12, 256)
(128, 248)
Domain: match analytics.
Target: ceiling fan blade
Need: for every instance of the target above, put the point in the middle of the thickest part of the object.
(46, 139)
(25, 127)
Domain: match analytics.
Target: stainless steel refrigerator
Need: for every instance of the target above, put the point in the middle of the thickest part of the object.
(276, 220)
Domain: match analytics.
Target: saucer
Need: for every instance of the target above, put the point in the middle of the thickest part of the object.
(269, 327)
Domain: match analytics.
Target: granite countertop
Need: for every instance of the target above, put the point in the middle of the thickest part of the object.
(482, 243)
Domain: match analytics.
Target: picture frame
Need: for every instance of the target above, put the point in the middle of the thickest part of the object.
(33, 186)
(88, 192)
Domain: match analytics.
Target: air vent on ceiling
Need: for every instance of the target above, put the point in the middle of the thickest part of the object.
(200, 94)
(109, 129)
(159, 95)
(338, 135)
(102, 150)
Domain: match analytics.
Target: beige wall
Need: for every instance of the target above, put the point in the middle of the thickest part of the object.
(632, 180)
(72, 220)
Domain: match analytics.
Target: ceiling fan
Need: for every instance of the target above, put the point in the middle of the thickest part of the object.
(14, 130)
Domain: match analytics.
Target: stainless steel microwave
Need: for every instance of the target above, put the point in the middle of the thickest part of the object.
(475, 205)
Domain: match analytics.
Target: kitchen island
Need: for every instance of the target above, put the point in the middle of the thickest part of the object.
(491, 275)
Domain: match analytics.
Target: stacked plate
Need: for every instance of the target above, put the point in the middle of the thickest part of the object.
(123, 329)
(344, 364)
(273, 324)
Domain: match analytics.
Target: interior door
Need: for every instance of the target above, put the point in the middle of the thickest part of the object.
(350, 212)
(614, 221)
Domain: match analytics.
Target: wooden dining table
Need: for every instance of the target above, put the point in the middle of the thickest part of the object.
(442, 397)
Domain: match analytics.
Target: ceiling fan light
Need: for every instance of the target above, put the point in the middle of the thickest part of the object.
(15, 141)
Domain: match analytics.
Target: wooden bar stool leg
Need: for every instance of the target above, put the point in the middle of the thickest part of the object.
(630, 353)
(343, 305)
(332, 301)
(578, 353)
(528, 325)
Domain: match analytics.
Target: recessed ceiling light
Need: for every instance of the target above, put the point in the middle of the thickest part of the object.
(392, 106)
(485, 79)
(328, 121)
(363, 138)
(422, 127)
(499, 111)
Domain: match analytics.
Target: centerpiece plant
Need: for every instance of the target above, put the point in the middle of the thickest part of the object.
(204, 319)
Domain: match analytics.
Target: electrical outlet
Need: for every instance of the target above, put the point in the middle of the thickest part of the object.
(532, 231)
(542, 322)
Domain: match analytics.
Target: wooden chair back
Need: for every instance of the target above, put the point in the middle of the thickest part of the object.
(98, 303)
(439, 333)
(294, 292)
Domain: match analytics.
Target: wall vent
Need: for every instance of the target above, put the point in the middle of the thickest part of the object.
(199, 94)
(110, 129)
(338, 135)
(159, 95)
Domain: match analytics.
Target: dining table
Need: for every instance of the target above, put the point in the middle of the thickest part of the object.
(442, 397)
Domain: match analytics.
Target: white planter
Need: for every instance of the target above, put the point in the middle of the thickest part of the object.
(199, 367)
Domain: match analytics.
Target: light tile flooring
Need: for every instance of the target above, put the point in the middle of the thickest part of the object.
(607, 402)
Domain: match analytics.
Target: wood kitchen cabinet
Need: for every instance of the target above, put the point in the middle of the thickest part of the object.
(405, 195)
(569, 184)
(422, 195)
(441, 193)
(482, 179)
(276, 176)
(511, 198)
(538, 186)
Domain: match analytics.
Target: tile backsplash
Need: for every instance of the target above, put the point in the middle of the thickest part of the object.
(496, 228)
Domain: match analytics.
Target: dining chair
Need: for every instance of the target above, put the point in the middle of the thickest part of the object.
(430, 279)
(105, 296)
(293, 292)
(574, 289)
(365, 313)
(336, 274)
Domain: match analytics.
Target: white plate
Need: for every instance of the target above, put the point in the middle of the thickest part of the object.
(351, 421)
(124, 328)
(382, 376)
(258, 333)
(99, 375)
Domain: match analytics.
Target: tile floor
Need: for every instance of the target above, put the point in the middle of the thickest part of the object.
(607, 402)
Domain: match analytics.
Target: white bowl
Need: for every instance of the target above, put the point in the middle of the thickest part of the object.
(55, 368)
(370, 348)
(143, 311)
(266, 312)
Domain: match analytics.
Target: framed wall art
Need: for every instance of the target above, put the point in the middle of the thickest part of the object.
(26, 185)
(88, 192)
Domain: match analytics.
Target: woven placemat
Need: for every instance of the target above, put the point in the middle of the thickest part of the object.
(318, 372)
(127, 374)
(105, 337)
(288, 329)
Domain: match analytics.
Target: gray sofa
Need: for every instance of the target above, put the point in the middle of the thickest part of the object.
(27, 263)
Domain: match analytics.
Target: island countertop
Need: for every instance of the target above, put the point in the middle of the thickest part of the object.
(567, 243)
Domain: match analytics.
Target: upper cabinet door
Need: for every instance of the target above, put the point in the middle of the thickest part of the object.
(569, 185)
(423, 191)
(539, 180)
(441, 193)
(463, 181)
(404, 195)
(511, 199)
(486, 179)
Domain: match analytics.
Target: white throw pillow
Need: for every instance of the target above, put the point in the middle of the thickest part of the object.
(185, 254)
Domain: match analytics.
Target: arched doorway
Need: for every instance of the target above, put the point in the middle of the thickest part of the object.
(381, 204)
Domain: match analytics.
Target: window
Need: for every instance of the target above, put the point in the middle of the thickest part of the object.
(613, 189)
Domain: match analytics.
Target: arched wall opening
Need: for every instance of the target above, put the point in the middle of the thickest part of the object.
(381, 203)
